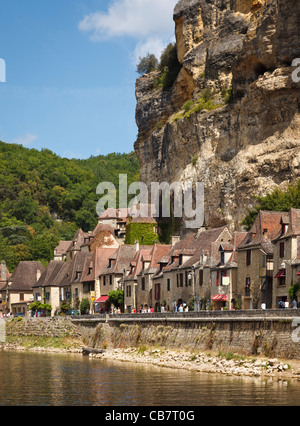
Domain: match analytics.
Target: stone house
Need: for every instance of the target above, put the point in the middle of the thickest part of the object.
(4, 276)
(18, 292)
(224, 274)
(184, 274)
(130, 280)
(117, 268)
(286, 256)
(102, 236)
(91, 276)
(78, 241)
(45, 290)
(60, 252)
(117, 219)
(150, 262)
(255, 261)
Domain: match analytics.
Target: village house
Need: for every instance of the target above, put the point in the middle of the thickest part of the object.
(130, 281)
(184, 274)
(255, 261)
(60, 252)
(117, 219)
(224, 274)
(4, 276)
(18, 293)
(45, 290)
(149, 265)
(117, 268)
(286, 257)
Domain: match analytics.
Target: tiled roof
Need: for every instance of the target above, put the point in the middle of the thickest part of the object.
(78, 240)
(266, 227)
(25, 276)
(292, 220)
(49, 273)
(62, 247)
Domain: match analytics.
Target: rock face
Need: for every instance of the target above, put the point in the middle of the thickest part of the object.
(247, 140)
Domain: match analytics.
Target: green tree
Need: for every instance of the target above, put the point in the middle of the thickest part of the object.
(147, 64)
(116, 298)
(84, 306)
(277, 200)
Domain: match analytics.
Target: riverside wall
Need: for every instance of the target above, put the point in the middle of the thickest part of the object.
(272, 333)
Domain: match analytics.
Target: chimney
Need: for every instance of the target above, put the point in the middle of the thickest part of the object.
(38, 275)
(137, 246)
(175, 239)
(3, 271)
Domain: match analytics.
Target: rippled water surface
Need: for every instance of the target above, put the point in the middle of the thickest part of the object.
(43, 379)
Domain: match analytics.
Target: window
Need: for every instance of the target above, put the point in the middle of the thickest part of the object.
(282, 280)
(143, 283)
(218, 279)
(281, 250)
(248, 257)
(222, 257)
(128, 291)
(248, 284)
(48, 295)
(201, 277)
(168, 284)
(186, 278)
(181, 280)
(157, 292)
(104, 280)
(21, 297)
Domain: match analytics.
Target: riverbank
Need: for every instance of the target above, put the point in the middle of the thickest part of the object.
(222, 363)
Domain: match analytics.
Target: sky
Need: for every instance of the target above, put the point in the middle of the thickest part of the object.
(70, 71)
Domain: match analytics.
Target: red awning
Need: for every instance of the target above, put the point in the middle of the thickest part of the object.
(102, 299)
(298, 273)
(220, 298)
(280, 273)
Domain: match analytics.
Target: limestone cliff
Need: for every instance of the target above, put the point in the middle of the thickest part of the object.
(246, 139)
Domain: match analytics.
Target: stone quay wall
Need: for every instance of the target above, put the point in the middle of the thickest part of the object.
(271, 333)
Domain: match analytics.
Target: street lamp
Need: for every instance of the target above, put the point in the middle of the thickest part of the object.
(192, 277)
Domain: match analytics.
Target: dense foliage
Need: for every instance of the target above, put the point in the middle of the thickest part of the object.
(277, 200)
(147, 64)
(168, 66)
(45, 198)
(144, 233)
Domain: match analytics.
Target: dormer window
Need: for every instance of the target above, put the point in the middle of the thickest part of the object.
(250, 238)
(222, 254)
(284, 228)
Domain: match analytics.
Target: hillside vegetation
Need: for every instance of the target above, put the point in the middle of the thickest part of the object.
(45, 198)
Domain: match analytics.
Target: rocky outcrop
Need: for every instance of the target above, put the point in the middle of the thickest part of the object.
(246, 140)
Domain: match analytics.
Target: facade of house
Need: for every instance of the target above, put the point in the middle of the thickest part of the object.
(286, 257)
(224, 274)
(255, 261)
(185, 273)
(18, 293)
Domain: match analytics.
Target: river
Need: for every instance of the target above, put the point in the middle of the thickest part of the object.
(31, 379)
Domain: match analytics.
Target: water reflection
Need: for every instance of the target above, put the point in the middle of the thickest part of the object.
(44, 379)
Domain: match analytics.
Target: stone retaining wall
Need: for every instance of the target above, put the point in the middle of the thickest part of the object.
(268, 333)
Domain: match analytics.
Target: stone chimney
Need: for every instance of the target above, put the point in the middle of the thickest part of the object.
(137, 245)
(3, 271)
(38, 275)
(175, 239)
